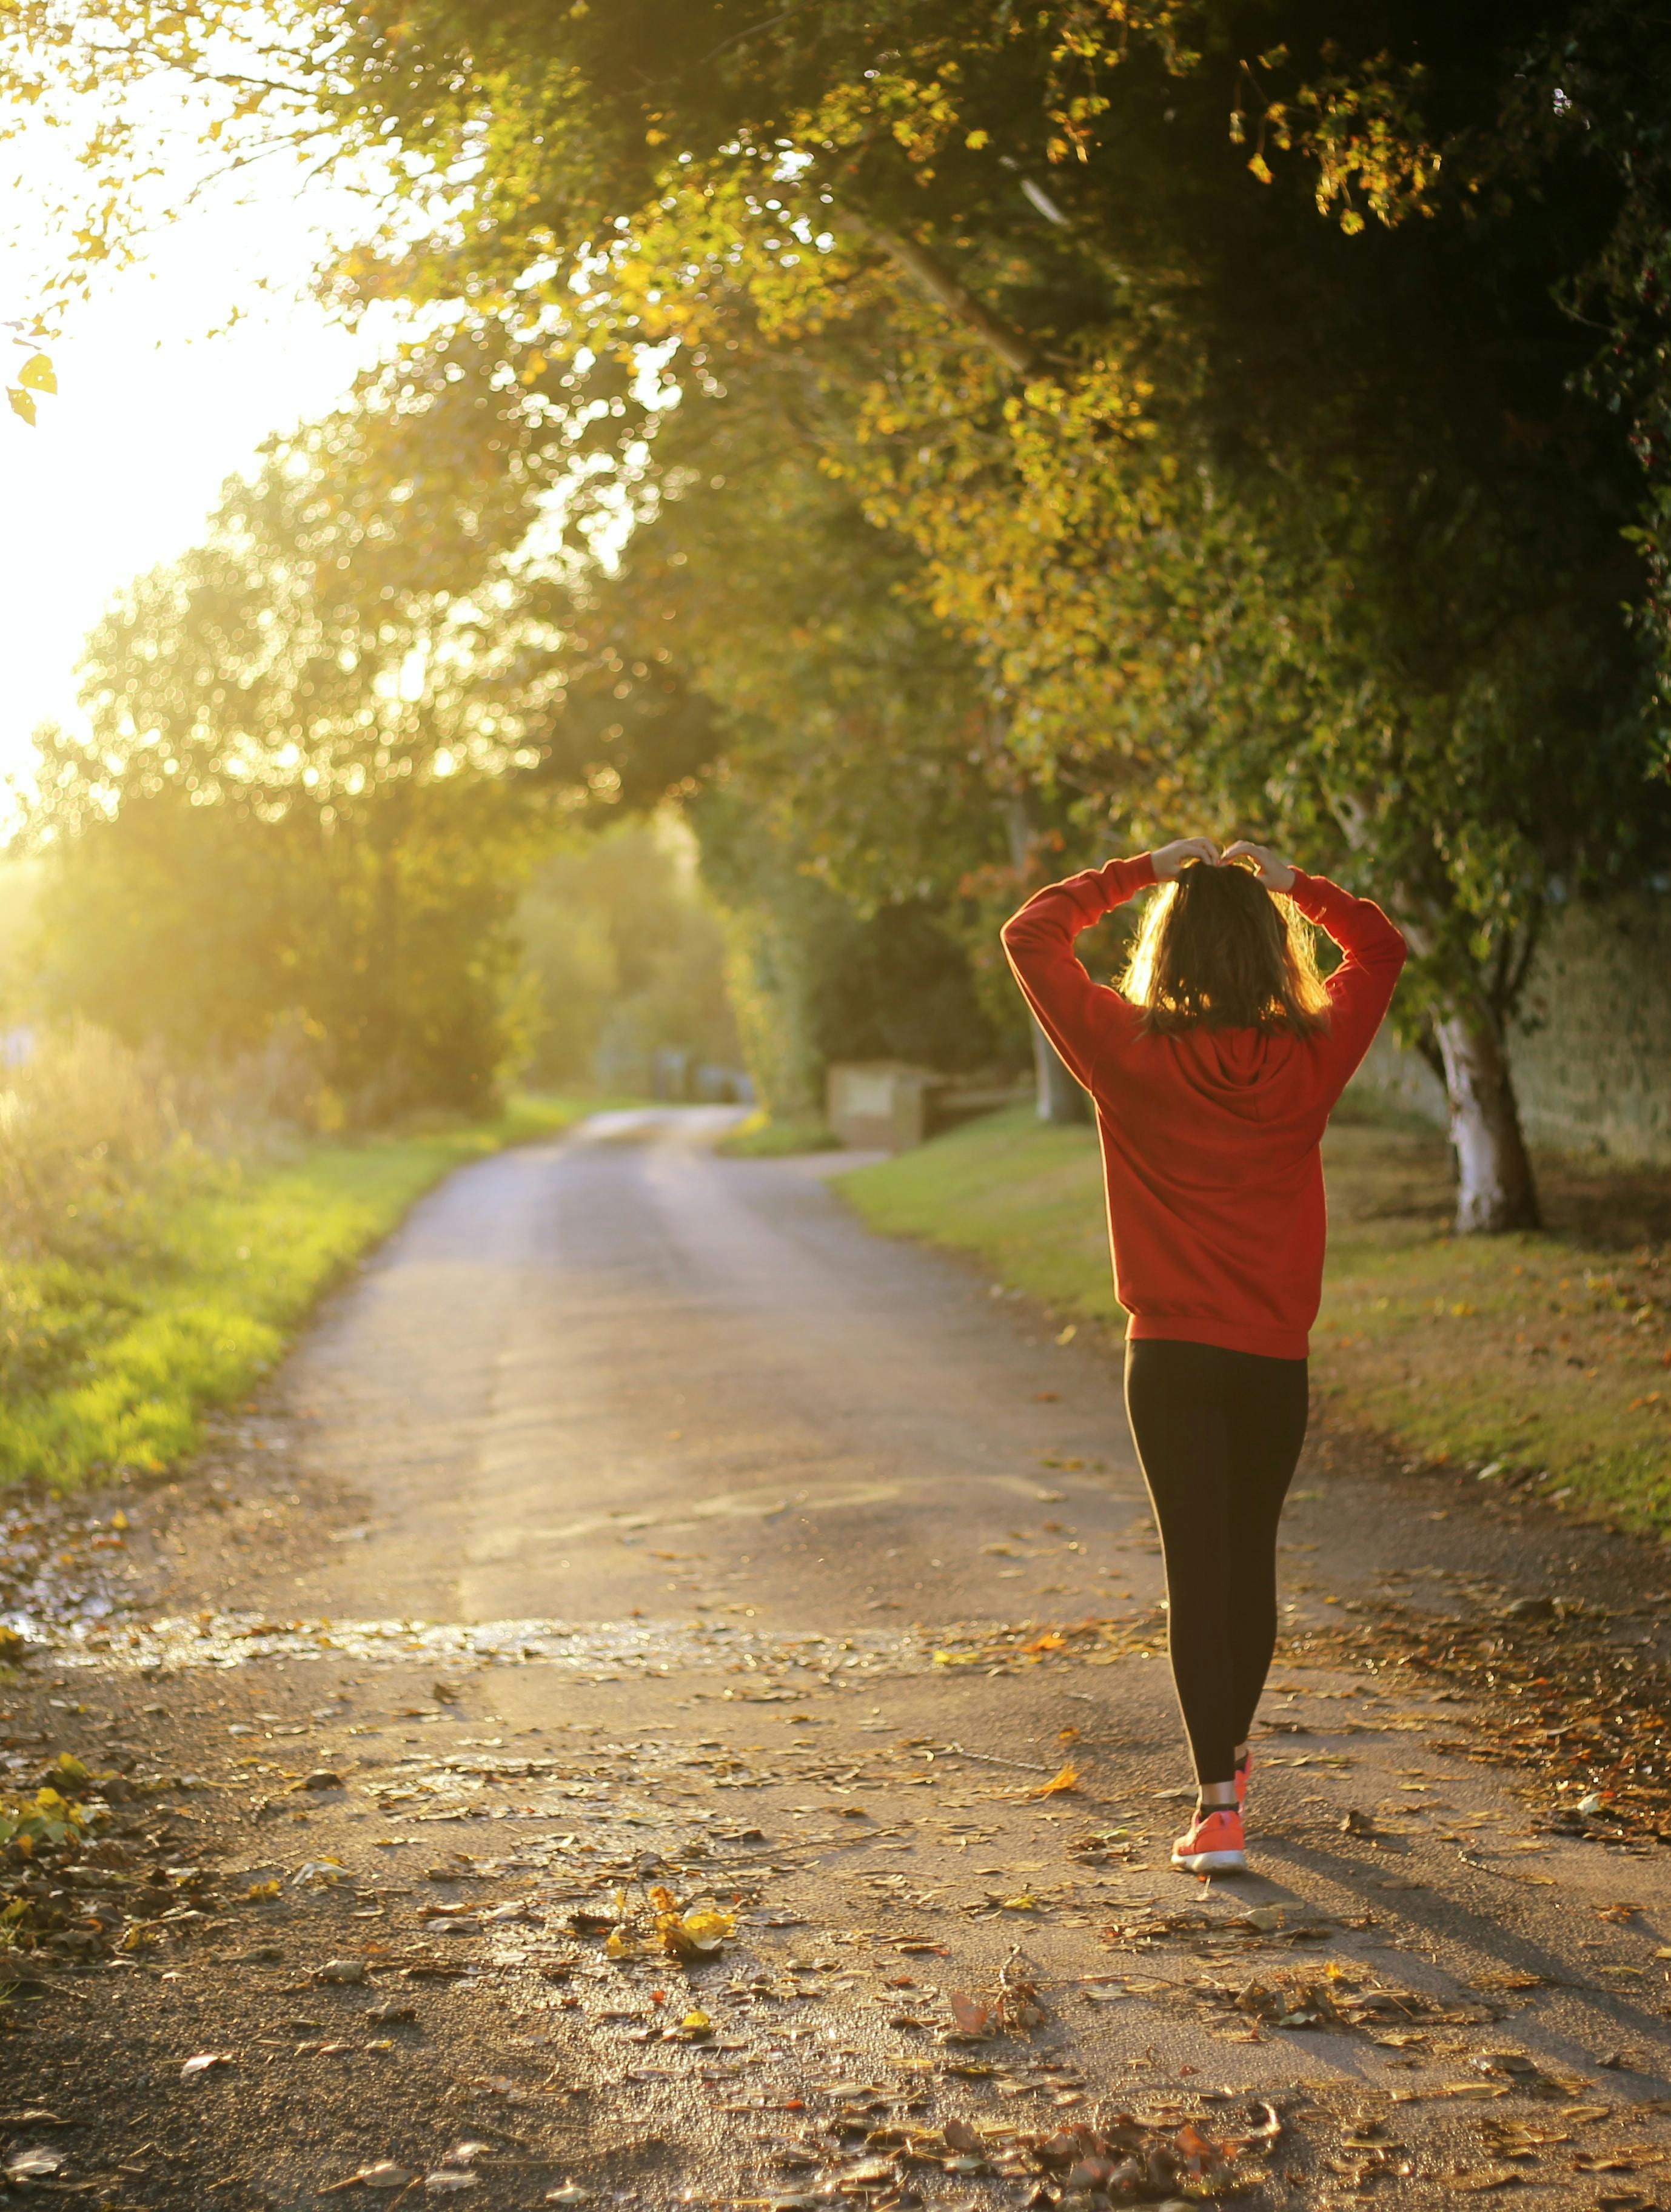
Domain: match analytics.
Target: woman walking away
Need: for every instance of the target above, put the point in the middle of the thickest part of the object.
(1214, 1069)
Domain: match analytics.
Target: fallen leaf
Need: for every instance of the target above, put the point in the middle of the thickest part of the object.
(1200, 2153)
(347, 1973)
(694, 1935)
(205, 2062)
(39, 2163)
(1066, 1778)
(1268, 1919)
(320, 1874)
(385, 2175)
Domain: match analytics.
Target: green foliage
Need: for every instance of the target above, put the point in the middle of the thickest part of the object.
(47, 1818)
(1026, 1199)
(88, 1129)
(813, 980)
(109, 1362)
(765, 1137)
(1044, 295)
(1378, 607)
(377, 941)
(296, 809)
(622, 957)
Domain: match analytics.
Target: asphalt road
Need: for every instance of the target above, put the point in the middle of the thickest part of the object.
(578, 1356)
(701, 1488)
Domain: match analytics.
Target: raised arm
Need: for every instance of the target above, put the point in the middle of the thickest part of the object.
(1361, 987)
(1077, 1015)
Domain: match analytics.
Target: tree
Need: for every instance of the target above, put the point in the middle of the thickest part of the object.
(1095, 418)
(622, 957)
(299, 802)
(1066, 350)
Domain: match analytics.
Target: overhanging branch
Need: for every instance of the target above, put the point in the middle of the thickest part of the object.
(1015, 351)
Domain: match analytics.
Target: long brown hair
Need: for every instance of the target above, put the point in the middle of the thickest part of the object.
(1217, 947)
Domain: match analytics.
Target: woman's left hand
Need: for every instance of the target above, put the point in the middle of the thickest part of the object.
(1273, 871)
(1169, 859)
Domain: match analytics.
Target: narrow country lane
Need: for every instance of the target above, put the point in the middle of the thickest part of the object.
(578, 1355)
(634, 1523)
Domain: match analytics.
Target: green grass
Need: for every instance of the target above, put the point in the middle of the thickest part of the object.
(766, 1137)
(1549, 1355)
(1026, 1199)
(109, 1366)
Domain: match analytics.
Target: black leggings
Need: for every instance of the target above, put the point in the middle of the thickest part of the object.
(1218, 1434)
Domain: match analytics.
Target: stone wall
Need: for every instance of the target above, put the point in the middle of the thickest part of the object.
(1592, 1056)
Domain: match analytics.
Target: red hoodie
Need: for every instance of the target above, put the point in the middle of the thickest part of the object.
(1210, 1137)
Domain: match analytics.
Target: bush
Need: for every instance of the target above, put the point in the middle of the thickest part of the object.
(84, 1122)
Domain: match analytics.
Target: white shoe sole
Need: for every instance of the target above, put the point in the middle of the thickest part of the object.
(1211, 1862)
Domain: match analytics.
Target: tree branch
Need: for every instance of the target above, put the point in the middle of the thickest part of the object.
(1016, 351)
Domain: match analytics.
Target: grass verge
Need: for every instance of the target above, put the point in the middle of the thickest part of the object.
(109, 1363)
(1546, 1359)
(766, 1137)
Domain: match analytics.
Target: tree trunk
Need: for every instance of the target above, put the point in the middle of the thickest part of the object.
(1495, 1190)
(1061, 1101)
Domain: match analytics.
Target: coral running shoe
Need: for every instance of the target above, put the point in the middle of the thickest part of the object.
(1214, 1844)
(1243, 1772)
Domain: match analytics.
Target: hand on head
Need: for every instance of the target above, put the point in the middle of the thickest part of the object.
(1169, 860)
(1272, 870)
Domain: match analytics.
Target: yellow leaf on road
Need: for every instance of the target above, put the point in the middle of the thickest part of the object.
(695, 1934)
(1067, 1777)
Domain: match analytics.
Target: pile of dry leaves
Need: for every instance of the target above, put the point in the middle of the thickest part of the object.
(1336, 1997)
(1121, 2158)
(71, 1892)
(1556, 1695)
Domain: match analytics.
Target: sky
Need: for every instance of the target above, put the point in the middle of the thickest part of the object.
(154, 412)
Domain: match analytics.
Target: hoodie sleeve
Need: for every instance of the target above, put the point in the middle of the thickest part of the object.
(1361, 988)
(1083, 1020)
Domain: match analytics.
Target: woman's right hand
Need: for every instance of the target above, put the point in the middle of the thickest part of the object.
(1273, 871)
(1168, 859)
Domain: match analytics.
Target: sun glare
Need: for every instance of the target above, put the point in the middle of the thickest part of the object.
(168, 378)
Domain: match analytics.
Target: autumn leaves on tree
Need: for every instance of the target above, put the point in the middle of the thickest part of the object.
(936, 447)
